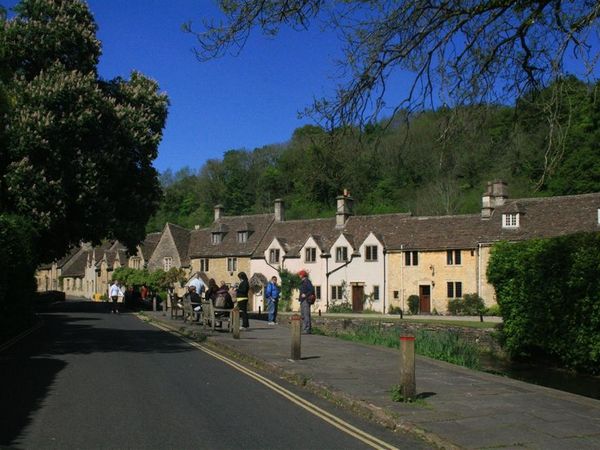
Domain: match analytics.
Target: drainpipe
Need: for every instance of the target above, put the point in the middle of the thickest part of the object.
(326, 284)
(479, 269)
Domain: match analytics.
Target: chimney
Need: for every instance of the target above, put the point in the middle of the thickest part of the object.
(219, 211)
(343, 209)
(279, 210)
(495, 195)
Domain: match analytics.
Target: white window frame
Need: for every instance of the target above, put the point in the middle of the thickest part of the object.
(376, 292)
(242, 237)
(231, 264)
(510, 220)
(167, 263)
(341, 254)
(318, 292)
(274, 256)
(337, 293)
(371, 253)
(216, 238)
(310, 255)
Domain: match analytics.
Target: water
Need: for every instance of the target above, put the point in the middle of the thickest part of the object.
(563, 380)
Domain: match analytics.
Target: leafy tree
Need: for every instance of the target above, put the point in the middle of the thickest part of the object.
(77, 150)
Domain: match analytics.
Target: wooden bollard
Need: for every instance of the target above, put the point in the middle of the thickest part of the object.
(296, 336)
(407, 367)
(235, 322)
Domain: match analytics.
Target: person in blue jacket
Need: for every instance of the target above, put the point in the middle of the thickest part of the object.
(272, 293)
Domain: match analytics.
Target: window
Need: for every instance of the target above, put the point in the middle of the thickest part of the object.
(337, 293)
(231, 264)
(341, 254)
(453, 257)
(396, 294)
(375, 292)
(318, 292)
(242, 236)
(454, 289)
(167, 263)
(310, 255)
(274, 256)
(411, 258)
(204, 265)
(510, 220)
(135, 263)
(68, 284)
(216, 238)
(371, 253)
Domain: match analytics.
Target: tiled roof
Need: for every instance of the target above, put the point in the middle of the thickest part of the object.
(76, 266)
(293, 234)
(149, 244)
(181, 238)
(546, 217)
(201, 244)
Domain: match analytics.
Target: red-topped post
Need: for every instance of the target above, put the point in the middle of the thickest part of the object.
(407, 367)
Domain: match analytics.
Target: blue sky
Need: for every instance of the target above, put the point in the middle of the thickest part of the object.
(246, 101)
(234, 102)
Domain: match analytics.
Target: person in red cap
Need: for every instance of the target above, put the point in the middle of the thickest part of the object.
(306, 290)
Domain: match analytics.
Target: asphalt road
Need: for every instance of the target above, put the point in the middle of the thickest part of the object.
(88, 379)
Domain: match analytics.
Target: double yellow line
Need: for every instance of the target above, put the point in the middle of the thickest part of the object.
(340, 424)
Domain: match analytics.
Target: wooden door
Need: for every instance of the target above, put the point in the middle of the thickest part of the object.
(358, 293)
(424, 299)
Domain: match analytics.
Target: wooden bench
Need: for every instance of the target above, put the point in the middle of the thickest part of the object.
(175, 302)
(188, 310)
(212, 316)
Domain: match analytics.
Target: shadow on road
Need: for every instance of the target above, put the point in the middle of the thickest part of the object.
(28, 369)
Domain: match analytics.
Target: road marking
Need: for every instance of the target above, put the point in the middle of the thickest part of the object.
(294, 398)
(18, 337)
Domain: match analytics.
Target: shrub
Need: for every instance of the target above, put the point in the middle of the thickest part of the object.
(493, 310)
(469, 305)
(343, 307)
(413, 304)
(395, 310)
(548, 291)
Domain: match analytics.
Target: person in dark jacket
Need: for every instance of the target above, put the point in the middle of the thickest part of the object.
(211, 292)
(242, 299)
(306, 290)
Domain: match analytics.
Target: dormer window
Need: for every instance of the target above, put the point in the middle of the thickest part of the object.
(216, 238)
(341, 254)
(510, 220)
(167, 263)
(242, 236)
(274, 256)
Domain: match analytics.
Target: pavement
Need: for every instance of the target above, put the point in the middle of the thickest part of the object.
(456, 407)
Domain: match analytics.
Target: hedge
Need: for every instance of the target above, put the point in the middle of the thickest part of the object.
(17, 275)
(548, 291)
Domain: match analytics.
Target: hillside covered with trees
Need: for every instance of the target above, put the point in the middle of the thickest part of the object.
(434, 162)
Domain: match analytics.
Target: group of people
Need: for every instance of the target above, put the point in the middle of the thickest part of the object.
(222, 297)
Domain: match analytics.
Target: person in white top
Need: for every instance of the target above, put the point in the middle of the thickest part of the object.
(114, 292)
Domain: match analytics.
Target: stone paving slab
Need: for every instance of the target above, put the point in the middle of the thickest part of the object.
(460, 407)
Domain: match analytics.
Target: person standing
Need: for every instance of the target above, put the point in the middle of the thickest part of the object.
(114, 293)
(272, 293)
(306, 290)
(242, 299)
